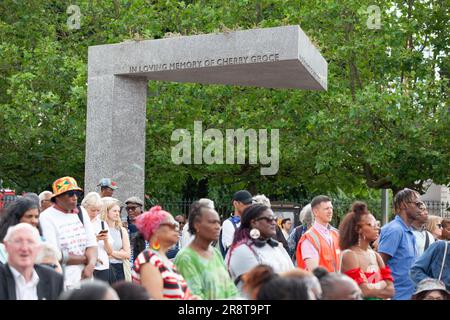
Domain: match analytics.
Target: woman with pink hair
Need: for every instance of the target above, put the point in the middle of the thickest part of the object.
(152, 269)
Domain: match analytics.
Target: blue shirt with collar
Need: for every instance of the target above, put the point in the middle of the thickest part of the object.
(397, 240)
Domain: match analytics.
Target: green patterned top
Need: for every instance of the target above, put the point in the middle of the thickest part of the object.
(206, 278)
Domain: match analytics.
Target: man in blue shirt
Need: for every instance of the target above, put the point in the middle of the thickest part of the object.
(397, 242)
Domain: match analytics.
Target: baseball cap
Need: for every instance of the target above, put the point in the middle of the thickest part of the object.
(107, 182)
(134, 200)
(243, 196)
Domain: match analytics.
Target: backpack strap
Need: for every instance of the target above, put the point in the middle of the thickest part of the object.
(250, 245)
(234, 221)
(443, 260)
(258, 258)
(427, 241)
(80, 215)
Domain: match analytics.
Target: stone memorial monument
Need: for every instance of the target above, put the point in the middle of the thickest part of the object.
(118, 74)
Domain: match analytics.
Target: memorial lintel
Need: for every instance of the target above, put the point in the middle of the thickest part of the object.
(205, 63)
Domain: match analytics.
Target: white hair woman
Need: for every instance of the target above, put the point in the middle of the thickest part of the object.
(120, 250)
(306, 221)
(260, 198)
(49, 256)
(93, 204)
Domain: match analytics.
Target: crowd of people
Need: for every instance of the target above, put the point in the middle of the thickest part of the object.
(52, 247)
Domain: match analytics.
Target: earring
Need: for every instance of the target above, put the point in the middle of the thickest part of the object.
(255, 234)
(155, 245)
(359, 240)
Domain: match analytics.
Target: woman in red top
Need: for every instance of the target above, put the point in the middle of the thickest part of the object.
(357, 230)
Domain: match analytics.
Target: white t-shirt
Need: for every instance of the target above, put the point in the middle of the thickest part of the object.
(102, 254)
(67, 233)
(243, 259)
(228, 230)
(421, 239)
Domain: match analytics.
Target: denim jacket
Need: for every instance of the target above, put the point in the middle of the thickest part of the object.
(429, 264)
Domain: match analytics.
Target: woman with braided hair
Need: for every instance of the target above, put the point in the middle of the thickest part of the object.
(253, 244)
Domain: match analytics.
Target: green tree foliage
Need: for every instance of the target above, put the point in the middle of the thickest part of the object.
(383, 123)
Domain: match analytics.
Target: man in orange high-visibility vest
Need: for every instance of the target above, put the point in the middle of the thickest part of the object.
(319, 246)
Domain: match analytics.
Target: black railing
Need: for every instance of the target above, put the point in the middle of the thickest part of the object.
(176, 207)
(341, 207)
(437, 208)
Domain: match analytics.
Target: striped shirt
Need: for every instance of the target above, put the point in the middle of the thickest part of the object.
(174, 285)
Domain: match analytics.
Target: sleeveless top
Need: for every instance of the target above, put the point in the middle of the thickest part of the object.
(174, 285)
(373, 275)
(117, 244)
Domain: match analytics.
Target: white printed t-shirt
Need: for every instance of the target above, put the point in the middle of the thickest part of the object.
(67, 233)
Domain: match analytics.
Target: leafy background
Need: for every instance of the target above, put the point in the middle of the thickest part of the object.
(383, 123)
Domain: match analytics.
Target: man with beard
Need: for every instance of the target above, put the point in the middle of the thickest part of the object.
(397, 246)
(134, 208)
(423, 237)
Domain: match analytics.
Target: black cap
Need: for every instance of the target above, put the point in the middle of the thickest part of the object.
(243, 196)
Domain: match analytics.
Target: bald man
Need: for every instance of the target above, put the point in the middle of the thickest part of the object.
(337, 286)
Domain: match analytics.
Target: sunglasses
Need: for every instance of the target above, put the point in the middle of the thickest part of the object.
(268, 219)
(375, 225)
(51, 265)
(419, 204)
(172, 225)
(72, 193)
(439, 225)
(131, 208)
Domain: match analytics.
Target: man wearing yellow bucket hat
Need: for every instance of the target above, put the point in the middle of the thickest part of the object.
(68, 227)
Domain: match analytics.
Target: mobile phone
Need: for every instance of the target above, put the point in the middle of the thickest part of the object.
(103, 231)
